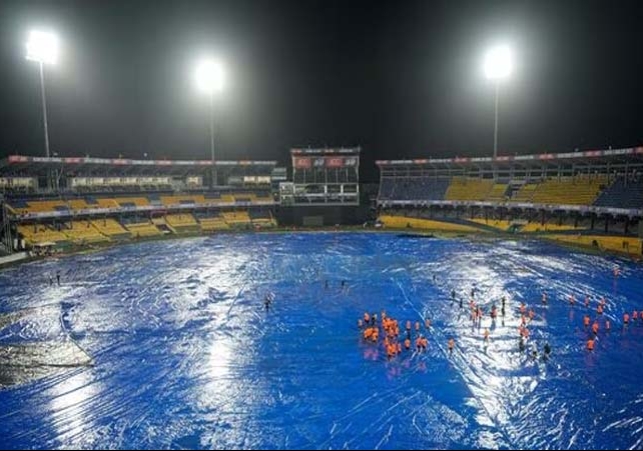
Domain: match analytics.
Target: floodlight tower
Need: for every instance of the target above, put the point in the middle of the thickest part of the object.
(498, 65)
(210, 79)
(42, 47)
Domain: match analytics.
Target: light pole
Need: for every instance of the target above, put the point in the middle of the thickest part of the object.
(498, 65)
(210, 79)
(42, 48)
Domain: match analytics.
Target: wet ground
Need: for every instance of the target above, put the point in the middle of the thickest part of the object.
(168, 345)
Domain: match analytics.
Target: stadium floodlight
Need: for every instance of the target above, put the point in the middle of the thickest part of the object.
(210, 78)
(42, 47)
(498, 65)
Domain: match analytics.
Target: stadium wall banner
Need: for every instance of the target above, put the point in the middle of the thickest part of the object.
(194, 181)
(13, 182)
(128, 161)
(341, 151)
(118, 181)
(301, 163)
(334, 162)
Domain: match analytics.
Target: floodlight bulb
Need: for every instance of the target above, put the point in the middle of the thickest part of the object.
(42, 47)
(210, 76)
(498, 63)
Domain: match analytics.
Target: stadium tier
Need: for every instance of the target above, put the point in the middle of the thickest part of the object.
(108, 229)
(65, 205)
(559, 191)
(592, 199)
(80, 201)
(592, 181)
(97, 200)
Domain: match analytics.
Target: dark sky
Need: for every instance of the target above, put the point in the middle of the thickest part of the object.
(399, 78)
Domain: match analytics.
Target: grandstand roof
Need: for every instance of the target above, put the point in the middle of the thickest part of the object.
(588, 157)
(37, 165)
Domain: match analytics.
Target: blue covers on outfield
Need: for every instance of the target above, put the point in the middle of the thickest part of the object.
(168, 345)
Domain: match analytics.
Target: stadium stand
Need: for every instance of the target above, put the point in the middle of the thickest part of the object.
(141, 228)
(569, 190)
(182, 223)
(623, 193)
(124, 202)
(427, 188)
(237, 219)
(83, 232)
(262, 218)
(182, 200)
(211, 222)
(498, 193)
(39, 233)
(592, 198)
(111, 228)
(464, 188)
(525, 193)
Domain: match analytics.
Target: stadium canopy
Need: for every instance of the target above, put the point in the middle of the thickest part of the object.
(628, 155)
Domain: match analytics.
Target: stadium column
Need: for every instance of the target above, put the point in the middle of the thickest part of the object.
(213, 175)
(44, 108)
(50, 182)
(6, 226)
(495, 126)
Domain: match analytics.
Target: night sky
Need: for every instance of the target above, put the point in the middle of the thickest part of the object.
(400, 78)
